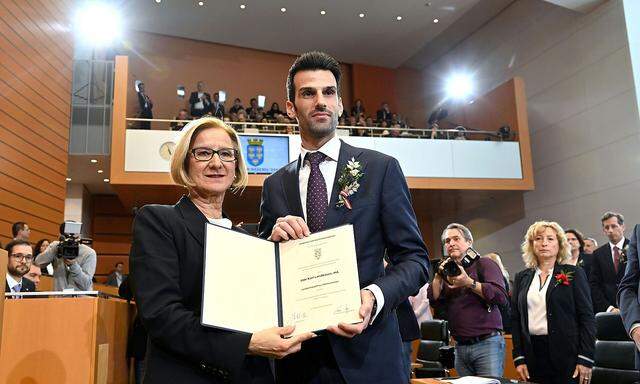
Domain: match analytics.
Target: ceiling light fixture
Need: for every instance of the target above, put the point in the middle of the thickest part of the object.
(283, 9)
(100, 171)
(398, 18)
(361, 15)
(201, 3)
(436, 21)
(94, 161)
(158, 1)
(68, 179)
(323, 12)
(105, 180)
(242, 6)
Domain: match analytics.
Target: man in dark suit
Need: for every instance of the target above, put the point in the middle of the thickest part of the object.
(217, 108)
(200, 101)
(628, 293)
(146, 106)
(20, 258)
(331, 184)
(607, 264)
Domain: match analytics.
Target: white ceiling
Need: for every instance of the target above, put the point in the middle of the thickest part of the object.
(377, 39)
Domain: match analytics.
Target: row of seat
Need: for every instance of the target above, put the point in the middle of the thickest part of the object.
(614, 351)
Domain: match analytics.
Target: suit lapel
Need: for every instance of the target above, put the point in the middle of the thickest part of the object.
(334, 213)
(522, 297)
(291, 186)
(552, 282)
(193, 218)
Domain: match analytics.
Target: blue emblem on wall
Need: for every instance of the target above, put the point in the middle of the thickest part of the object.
(255, 152)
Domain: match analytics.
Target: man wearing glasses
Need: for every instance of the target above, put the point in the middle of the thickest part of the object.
(20, 259)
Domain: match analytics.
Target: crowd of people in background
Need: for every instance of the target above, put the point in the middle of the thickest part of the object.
(357, 120)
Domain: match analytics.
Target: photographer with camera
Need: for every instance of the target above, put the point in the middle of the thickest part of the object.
(74, 263)
(470, 288)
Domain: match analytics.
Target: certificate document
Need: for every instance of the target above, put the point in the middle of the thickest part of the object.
(251, 284)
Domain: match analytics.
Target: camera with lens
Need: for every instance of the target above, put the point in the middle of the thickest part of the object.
(449, 268)
(69, 245)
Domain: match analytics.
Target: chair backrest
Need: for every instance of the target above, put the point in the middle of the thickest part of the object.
(614, 352)
(435, 330)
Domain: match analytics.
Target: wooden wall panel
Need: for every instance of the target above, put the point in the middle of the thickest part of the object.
(374, 85)
(111, 225)
(36, 46)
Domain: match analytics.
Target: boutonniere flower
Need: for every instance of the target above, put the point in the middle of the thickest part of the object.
(348, 182)
(623, 254)
(563, 278)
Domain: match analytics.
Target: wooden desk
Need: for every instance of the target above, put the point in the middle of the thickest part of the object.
(65, 340)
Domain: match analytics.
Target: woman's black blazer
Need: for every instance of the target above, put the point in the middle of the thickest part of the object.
(570, 319)
(166, 265)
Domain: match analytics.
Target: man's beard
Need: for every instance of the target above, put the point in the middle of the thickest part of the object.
(17, 271)
(322, 130)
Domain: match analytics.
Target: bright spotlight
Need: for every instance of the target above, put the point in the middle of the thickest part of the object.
(459, 86)
(98, 24)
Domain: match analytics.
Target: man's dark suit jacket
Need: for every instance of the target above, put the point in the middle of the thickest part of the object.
(383, 218)
(217, 111)
(146, 107)
(570, 320)
(166, 264)
(585, 260)
(603, 278)
(193, 99)
(27, 286)
(628, 291)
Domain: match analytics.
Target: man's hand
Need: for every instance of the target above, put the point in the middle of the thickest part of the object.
(523, 372)
(270, 342)
(351, 330)
(289, 227)
(460, 281)
(69, 262)
(635, 335)
(583, 372)
(615, 310)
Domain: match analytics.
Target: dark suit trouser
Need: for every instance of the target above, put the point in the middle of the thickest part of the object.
(314, 364)
(542, 369)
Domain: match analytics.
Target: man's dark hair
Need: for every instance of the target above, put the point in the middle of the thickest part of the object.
(579, 235)
(14, 243)
(609, 215)
(17, 227)
(312, 61)
(119, 262)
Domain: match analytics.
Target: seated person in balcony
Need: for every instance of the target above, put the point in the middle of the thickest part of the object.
(236, 107)
(166, 271)
(75, 274)
(20, 258)
(471, 301)
(145, 107)
(34, 275)
(353, 121)
(275, 109)
(200, 101)
(183, 114)
(368, 122)
(384, 113)
(360, 131)
(253, 108)
(341, 121)
(461, 134)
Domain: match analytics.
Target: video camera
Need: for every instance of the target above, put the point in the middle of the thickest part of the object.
(70, 240)
(449, 268)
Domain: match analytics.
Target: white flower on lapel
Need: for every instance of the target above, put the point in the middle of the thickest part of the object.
(348, 182)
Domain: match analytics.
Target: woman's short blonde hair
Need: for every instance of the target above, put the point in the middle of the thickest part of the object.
(180, 158)
(564, 249)
(498, 260)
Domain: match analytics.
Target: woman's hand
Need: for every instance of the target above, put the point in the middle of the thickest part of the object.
(270, 342)
(584, 372)
(523, 371)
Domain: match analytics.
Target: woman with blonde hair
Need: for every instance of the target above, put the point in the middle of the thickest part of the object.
(167, 256)
(552, 315)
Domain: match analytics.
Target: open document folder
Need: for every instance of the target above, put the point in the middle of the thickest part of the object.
(251, 284)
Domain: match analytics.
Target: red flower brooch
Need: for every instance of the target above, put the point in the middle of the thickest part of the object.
(563, 278)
